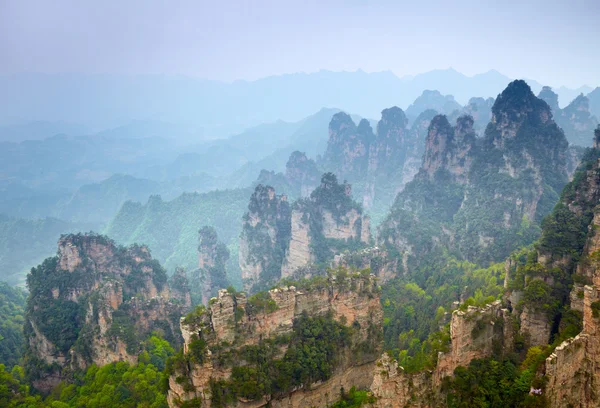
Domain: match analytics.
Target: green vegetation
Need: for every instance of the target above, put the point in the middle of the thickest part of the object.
(116, 384)
(354, 399)
(273, 214)
(312, 352)
(415, 306)
(12, 305)
(170, 228)
(334, 198)
(215, 252)
(494, 384)
(25, 243)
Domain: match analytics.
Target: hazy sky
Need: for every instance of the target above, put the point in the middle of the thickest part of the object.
(556, 42)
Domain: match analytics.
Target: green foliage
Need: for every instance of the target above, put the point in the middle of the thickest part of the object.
(312, 354)
(12, 304)
(197, 349)
(491, 383)
(60, 321)
(117, 384)
(354, 399)
(274, 214)
(262, 302)
(411, 306)
(170, 228)
(27, 242)
(195, 317)
(595, 306)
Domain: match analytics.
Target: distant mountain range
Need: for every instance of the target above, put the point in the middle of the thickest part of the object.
(208, 109)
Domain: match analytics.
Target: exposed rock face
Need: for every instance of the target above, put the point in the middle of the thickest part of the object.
(507, 181)
(242, 322)
(348, 146)
(94, 303)
(480, 110)
(302, 172)
(473, 334)
(388, 153)
(574, 366)
(212, 257)
(379, 165)
(180, 288)
(276, 243)
(448, 149)
(575, 119)
(265, 237)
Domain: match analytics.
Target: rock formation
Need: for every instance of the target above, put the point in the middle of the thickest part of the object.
(210, 275)
(576, 119)
(301, 176)
(217, 341)
(277, 241)
(474, 333)
(95, 303)
(377, 164)
(265, 237)
(483, 197)
(443, 104)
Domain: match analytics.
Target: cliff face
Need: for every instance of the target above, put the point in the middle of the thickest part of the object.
(575, 119)
(474, 333)
(212, 258)
(378, 164)
(94, 303)
(302, 173)
(348, 146)
(483, 197)
(265, 237)
(315, 229)
(448, 149)
(233, 325)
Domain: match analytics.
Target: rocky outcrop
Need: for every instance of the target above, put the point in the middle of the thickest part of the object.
(378, 164)
(210, 275)
(448, 148)
(276, 242)
(348, 146)
(575, 119)
(233, 322)
(265, 237)
(393, 388)
(94, 303)
(474, 333)
(482, 197)
(302, 173)
(324, 224)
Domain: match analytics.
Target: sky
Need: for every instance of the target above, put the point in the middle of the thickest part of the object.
(552, 41)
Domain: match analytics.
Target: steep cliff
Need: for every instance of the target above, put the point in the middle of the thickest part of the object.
(265, 237)
(348, 146)
(482, 197)
(277, 242)
(475, 333)
(292, 346)
(94, 302)
(301, 176)
(576, 119)
(211, 274)
(377, 164)
(555, 292)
